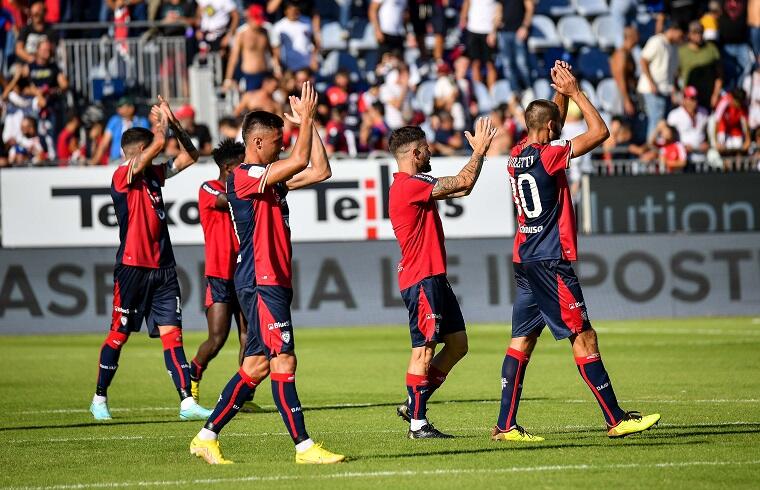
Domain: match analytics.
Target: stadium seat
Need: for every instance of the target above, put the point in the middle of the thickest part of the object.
(554, 8)
(588, 89)
(502, 92)
(575, 31)
(593, 64)
(609, 96)
(333, 36)
(608, 31)
(645, 24)
(425, 97)
(543, 34)
(546, 62)
(485, 101)
(362, 37)
(590, 8)
(337, 60)
(542, 89)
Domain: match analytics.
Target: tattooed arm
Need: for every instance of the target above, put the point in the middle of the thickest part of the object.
(562, 100)
(146, 156)
(189, 154)
(462, 184)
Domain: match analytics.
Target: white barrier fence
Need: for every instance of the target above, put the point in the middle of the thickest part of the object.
(71, 207)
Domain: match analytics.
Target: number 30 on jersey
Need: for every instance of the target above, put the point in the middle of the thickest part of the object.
(518, 195)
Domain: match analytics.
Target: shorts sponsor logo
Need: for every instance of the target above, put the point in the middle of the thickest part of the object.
(527, 230)
(119, 309)
(433, 316)
(575, 305)
(278, 325)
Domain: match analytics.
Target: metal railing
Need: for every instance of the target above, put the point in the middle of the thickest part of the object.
(103, 67)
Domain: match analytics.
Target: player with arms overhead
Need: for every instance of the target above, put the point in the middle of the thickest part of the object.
(256, 192)
(548, 291)
(145, 279)
(434, 314)
(221, 255)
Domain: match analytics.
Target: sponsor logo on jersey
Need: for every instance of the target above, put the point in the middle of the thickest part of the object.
(425, 177)
(527, 230)
(558, 143)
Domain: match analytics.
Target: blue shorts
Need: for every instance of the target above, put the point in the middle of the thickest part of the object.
(253, 81)
(270, 328)
(433, 310)
(548, 293)
(220, 291)
(140, 293)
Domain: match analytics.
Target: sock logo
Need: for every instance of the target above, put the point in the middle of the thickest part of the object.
(605, 385)
(504, 383)
(295, 409)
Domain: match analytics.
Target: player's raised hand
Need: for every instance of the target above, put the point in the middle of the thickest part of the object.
(308, 106)
(163, 104)
(484, 134)
(295, 117)
(564, 82)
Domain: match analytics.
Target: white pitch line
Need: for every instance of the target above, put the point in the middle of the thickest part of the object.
(368, 405)
(386, 474)
(544, 429)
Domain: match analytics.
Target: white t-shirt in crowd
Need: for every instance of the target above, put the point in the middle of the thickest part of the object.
(691, 132)
(215, 16)
(663, 65)
(751, 87)
(390, 15)
(480, 16)
(295, 40)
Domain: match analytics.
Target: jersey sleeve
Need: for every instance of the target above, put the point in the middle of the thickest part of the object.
(207, 196)
(419, 188)
(250, 181)
(556, 156)
(120, 183)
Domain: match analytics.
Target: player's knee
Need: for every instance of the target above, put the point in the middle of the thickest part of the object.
(256, 367)
(217, 341)
(116, 340)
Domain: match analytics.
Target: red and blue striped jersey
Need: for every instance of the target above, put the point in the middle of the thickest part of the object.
(218, 233)
(545, 217)
(260, 216)
(417, 226)
(141, 215)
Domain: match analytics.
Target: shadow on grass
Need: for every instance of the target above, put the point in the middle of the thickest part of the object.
(356, 406)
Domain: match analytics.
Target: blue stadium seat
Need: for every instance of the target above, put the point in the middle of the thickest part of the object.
(543, 34)
(593, 64)
(502, 92)
(546, 62)
(645, 24)
(575, 31)
(362, 37)
(590, 8)
(554, 8)
(609, 96)
(336, 60)
(542, 89)
(425, 97)
(333, 36)
(608, 31)
(483, 96)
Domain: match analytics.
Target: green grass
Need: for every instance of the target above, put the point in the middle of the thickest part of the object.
(702, 375)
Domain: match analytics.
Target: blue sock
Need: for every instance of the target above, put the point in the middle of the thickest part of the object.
(286, 399)
(109, 360)
(237, 391)
(512, 375)
(596, 377)
(176, 363)
(418, 387)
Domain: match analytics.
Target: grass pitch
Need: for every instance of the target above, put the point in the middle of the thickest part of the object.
(702, 375)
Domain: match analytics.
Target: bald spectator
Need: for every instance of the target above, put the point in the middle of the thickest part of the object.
(251, 48)
(623, 69)
(262, 99)
(34, 33)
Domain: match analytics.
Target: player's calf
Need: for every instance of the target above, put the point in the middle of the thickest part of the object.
(107, 366)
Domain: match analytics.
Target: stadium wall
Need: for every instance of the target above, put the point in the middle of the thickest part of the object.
(69, 289)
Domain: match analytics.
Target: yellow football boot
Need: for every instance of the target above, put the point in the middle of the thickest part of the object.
(209, 451)
(633, 423)
(316, 454)
(195, 390)
(516, 434)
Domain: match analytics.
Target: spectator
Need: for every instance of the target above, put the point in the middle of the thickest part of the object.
(394, 93)
(125, 118)
(732, 129)
(67, 145)
(218, 20)
(690, 121)
(229, 127)
(446, 98)
(43, 72)
(699, 66)
(337, 94)
(684, 11)
(251, 48)
(172, 148)
(176, 12)
(733, 36)
(199, 133)
(422, 13)
(293, 44)
(335, 131)
(481, 18)
(387, 17)
(34, 33)
(516, 19)
(95, 135)
(709, 21)
(446, 141)
(261, 99)
(751, 87)
(276, 11)
(624, 70)
(29, 147)
(504, 140)
(620, 143)
(753, 20)
(21, 100)
(672, 154)
(373, 132)
(659, 63)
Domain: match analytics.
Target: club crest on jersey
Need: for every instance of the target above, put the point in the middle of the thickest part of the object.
(285, 337)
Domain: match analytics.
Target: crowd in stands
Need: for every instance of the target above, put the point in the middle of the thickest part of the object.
(679, 81)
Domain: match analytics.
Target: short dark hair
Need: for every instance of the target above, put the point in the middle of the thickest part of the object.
(229, 121)
(136, 136)
(403, 136)
(229, 152)
(263, 119)
(540, 112)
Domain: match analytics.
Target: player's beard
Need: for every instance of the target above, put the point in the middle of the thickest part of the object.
(425, 167)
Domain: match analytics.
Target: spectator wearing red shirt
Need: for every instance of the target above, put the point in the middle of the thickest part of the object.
(732, 129)
(69, 132)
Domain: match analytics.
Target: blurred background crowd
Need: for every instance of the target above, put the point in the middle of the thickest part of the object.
(677, 80)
